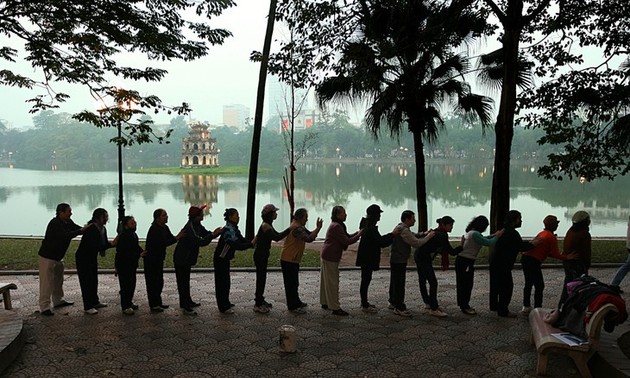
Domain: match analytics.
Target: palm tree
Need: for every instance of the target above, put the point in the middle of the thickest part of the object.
(401, 61)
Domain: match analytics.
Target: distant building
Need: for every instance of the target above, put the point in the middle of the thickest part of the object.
(235, 115)
(198, 149)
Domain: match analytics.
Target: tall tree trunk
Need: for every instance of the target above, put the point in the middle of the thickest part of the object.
(421, 184)
(504, 129)
(260, 101)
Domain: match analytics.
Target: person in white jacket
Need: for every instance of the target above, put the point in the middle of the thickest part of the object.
(399, 256)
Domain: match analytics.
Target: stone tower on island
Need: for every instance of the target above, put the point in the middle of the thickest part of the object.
(198, 148)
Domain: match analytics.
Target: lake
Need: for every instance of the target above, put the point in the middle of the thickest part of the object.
(28, 197)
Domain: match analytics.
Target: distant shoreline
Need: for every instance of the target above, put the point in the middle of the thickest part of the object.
(229, 170)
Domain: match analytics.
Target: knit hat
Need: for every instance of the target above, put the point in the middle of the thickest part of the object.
(550, 220)
(195, 211)
(269, 208)
(580, 216)
(373, 209)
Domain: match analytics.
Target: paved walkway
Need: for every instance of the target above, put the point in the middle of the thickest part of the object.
(245, 344)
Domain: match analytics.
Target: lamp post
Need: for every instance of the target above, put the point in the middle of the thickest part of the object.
(119, 113)
(121, 200)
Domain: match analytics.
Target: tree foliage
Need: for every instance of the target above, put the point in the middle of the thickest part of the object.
(80, 42)
(585, 101)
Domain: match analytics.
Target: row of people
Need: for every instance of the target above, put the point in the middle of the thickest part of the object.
(507, 244)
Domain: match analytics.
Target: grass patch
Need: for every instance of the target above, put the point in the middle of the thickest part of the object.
(21, 254)
(229, 170)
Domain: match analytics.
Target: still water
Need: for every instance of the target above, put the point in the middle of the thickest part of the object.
(28, 197)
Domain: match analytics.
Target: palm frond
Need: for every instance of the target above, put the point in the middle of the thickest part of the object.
(476, 107)
(491, 66)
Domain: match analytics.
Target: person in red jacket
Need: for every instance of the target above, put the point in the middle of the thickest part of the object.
(532, 260)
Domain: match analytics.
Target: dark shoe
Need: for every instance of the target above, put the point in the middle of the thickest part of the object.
(340, 312)
(298, 311)
(303, 305)
(510, 315)
(47, 313)
(194, 304)
(163, 306)
(100, 305)
(469, 311)
(325, 307)
(189, 311)
(157, 309)
(134, 306)
(232, 305)
(267, 304)
(64, 303)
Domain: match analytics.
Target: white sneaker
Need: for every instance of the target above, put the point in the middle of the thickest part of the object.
(128, 311)
(404, 313)
(526, 310)
(439, 313)
(91, 311)
(261, 309)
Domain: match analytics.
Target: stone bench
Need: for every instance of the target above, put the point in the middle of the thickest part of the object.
(547, 344)
(6, 294)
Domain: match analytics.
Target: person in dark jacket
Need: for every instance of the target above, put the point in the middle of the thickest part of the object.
(266, 234)
(369, 251)
(502, 261)
(186, 254)
(424, 256)
(577, 242)
(93, 242)
(158, 239)
(59, 232)
(128, 251)
(230, 241)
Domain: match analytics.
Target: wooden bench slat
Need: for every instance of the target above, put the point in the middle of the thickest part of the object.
(546, 344)
(5, 289)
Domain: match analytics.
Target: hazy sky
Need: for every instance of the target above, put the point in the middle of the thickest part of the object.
(225, 76)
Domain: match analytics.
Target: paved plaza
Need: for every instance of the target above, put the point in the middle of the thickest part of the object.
(245, 344)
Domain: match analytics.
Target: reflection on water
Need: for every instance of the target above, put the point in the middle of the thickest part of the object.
(28, 198)
(199, 189)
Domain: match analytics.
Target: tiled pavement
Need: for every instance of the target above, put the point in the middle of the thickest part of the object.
(245, 344)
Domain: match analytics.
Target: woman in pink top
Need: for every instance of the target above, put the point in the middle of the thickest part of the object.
(337, 240)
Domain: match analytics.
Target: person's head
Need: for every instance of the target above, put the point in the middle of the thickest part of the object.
(196, 213)
(445, 223)
(100, 216)
(129, 223)
(408, 217)
(269, 213)
(373, 212)
(581, 218)
(551, 223)
(301, 216)
(479, 223)
(231, 215)
(160, 217)
(63, 211)
(338, 214)
(513, 219)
